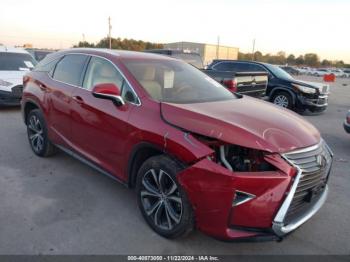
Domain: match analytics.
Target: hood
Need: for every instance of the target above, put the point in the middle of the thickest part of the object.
(247, 122)
(309, 84)
(14, 77)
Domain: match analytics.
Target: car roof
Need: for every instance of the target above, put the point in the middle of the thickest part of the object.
(7, 49)
(117, 53)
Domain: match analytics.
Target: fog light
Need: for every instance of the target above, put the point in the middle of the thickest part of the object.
(241, 197)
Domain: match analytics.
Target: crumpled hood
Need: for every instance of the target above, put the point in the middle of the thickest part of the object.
(247, 122)
(309, 84)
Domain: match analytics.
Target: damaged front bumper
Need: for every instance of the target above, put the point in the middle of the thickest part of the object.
(263, 215)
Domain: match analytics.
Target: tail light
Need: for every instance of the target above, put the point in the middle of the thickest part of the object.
(231, 85)
(348, 118)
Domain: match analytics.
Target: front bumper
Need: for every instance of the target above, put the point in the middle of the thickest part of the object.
(318, 103)
(12, 98)
(211, 189)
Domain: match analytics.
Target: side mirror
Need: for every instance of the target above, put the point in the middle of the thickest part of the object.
(108, 91)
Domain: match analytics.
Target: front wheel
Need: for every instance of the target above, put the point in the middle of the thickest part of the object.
(282, 99)
(161, 199)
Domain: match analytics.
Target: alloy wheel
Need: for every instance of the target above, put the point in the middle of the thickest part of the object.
(160, 198)
(281, 100)
(35, 133)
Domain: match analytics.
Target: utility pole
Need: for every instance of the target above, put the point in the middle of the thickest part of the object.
(109, 32)
(217, 48)
(253, 53)
(84, 38)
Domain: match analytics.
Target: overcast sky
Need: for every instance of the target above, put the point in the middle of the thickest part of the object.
(293, 26)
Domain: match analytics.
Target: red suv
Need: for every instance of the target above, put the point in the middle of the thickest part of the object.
(197, 154)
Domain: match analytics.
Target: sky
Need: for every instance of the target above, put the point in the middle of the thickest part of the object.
(293, 26)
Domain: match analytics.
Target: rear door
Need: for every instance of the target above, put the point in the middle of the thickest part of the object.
(99, 128)
(66, 77)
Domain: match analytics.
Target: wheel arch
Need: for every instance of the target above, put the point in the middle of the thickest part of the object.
(285, 89)
(28, 107)
(139, 154)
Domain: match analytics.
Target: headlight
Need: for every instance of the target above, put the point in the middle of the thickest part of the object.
(304, 89)
(4, 83)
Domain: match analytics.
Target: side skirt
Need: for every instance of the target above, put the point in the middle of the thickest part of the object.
(90, 164)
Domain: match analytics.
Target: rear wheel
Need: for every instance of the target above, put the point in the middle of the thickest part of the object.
(161, 199)
(283, 99)
(37, 134)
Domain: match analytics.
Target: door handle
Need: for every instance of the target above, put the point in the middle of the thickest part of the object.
(78, 99)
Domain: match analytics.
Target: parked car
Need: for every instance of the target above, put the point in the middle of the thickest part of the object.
(291, 70)
(347, 71)
(14, 63)
(347, 122)
(321, 72)
(197, 154)
(337, 72)
(246, 83)
(190, 57)
(282, 89)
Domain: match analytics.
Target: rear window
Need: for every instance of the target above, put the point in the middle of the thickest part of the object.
(16, 62)
(69, 69)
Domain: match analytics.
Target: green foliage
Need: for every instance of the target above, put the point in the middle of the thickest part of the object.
(309, 59)
(124, 44)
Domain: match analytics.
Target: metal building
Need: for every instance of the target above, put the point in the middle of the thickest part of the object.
(208, 52)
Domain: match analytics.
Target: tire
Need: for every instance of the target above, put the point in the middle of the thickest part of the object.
(37, 134)
(283, 99)
(162, 201)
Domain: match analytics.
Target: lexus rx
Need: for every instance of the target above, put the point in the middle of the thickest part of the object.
(198, 155)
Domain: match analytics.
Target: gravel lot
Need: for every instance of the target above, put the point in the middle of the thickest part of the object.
(60, 206)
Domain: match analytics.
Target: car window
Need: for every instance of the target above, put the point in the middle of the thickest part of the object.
(102, 71)
(225, 66)
(16, 62)
(70, 68)
(258, 68)
(48, 63)
(128, 93)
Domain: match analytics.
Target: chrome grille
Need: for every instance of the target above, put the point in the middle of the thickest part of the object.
(314, 163)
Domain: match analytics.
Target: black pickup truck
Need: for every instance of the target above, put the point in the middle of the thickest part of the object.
(247, 83)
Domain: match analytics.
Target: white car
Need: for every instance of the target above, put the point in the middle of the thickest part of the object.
(321, 72)
(338, 72)
(14, 64)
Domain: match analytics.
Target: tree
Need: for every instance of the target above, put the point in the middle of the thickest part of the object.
(326, 62)
(258, 56)
(312, 59)
(291, 59)
(300, 60)
(84, 44)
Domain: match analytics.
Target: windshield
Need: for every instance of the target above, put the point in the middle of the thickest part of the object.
(176, 82)
(278, 72)
(16, 62)
(193, 59)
